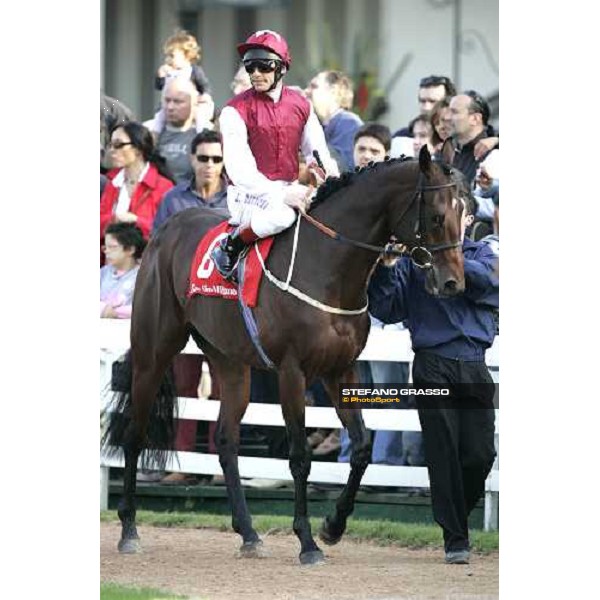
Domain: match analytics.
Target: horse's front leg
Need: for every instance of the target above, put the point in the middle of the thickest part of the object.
(235, 392)
(333, 527)
(292, 386)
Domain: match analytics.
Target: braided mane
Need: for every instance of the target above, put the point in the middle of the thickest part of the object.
(334, 184)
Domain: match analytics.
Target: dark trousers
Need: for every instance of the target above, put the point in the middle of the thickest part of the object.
(264, 387)
(187, 369)
(458, 441)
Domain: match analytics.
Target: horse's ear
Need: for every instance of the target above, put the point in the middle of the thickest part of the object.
(425, 160)
(448, 151)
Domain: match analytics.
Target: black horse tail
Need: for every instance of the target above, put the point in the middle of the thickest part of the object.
(119, 430)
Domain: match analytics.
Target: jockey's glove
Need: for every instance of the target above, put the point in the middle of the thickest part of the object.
(297, 196)
(317, 175)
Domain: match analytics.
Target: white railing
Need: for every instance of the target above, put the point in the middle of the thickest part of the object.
(386, 344)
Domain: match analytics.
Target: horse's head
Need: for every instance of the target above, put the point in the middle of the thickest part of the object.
(438, 237)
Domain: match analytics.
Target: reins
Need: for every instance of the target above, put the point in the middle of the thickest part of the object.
(334, 235)
(426, 252)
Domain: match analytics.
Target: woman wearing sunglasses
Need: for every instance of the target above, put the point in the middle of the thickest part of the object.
(137, 182)
(263, 130)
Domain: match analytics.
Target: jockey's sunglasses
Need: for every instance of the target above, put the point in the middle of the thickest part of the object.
(204, 158)
(263, 66)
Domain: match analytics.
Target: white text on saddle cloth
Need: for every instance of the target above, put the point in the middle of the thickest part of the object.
(207, 266)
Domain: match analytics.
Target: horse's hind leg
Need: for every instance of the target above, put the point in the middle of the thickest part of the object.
(234, 380)
(333, 527)
(130, 540)
(155, 340)
(148, 381)
(292, 386)
(145, 384)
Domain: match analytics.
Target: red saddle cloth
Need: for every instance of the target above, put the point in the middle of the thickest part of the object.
(207, 281)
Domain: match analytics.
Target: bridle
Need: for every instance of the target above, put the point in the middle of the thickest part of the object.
(419, 253)
(420, 249)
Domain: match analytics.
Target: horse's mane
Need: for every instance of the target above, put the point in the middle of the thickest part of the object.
(334, 184)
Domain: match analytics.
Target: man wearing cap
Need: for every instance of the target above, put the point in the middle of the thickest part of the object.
(263, 130)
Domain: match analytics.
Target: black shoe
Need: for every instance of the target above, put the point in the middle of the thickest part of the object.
(457, 557)
(226, 255)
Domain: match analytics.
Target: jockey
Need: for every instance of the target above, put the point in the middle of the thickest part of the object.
(263, 130)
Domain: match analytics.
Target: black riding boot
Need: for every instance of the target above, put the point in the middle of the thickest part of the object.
(226, 254)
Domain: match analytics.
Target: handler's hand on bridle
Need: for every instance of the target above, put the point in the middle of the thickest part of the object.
(389, 260)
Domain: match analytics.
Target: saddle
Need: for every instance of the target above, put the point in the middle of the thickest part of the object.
(207, 281)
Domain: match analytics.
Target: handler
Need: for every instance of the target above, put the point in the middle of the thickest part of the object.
(263, 129)
(449, 337)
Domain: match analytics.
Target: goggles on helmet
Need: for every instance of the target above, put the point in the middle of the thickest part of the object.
(263, 65)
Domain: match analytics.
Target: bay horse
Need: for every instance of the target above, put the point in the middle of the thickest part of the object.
(413, 200)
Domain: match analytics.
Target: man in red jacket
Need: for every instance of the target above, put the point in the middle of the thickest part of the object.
(264, 128)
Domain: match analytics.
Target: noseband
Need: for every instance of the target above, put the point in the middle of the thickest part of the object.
(420, 254)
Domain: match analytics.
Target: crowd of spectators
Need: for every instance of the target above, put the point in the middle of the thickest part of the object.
(175, 161)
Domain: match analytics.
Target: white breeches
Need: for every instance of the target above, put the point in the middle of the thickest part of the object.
(265, 214)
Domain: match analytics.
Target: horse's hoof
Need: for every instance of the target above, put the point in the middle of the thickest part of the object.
(314, 557)
(253, 550)
(129, 546)
(327, 536)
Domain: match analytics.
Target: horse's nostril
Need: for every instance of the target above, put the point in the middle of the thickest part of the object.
(450, 285)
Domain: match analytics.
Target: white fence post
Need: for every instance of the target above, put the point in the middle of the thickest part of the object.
(490, 512)
(104, 488)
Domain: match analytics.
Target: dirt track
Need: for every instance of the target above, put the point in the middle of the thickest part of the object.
(202, 564)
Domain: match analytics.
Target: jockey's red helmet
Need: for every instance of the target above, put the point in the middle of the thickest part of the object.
(270, 42)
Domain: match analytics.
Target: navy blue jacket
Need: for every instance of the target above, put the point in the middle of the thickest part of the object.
(460, 327)
(184, 196)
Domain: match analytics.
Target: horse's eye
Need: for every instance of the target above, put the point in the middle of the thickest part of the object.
(438, 220)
